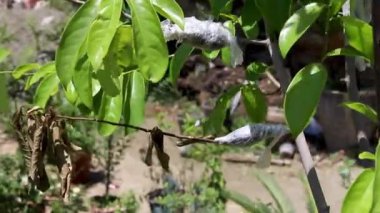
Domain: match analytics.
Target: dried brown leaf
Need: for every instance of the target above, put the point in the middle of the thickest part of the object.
(157, 137)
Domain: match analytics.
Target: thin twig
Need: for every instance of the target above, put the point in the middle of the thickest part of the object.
(273, 79)
(185, 139)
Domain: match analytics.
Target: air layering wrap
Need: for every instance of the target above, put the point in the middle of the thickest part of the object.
(204, 34)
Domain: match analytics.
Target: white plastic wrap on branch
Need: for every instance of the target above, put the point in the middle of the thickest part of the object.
(207, 35)
(252, 133)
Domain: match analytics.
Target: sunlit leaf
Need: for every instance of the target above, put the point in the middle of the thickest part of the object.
(363, 109)
(70, 93)
(151, 49)
(297, 25)
(360, 195)
(73, 37)
(226, 51)
(134, 99)
(346, 51)
(21, 70)
(359, 36)
(366, 156)
(376, 183)
(177, 62)
(255, 103)
(302, 96)
(47, 88)
(170, 10)
(103, 30)
(42, 72)
(211, 54)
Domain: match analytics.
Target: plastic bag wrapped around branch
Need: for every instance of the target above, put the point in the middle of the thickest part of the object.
(252, 133)
(207, 35)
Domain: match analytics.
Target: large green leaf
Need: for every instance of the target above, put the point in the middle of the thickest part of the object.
(47, 88)
(21, 70)
(363, 109)
(121, 53)
(359, 36)
(179, 59)
(282, 201)
(110, 110)
(110, 84)
(42, 72)
(214, 122)
(134, 99)
(250, 16)
(254, 102)
(297, 25)
(170, 10)
(103, 30)
(376, 183)
(151, 49)
(302, 96)
(360, 195)
(82, 81)
(73, 37)
(275, 13)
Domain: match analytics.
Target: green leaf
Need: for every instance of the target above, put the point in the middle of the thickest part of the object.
(345, 51)
(4, 97)
(179, 59)
(217, 6)
(82, 81)
(151, 49)
(110, 110)
(367, 156)
(47, 88)
(359, 36)
(255, 103)
(297, 25)
(42, 72)
(363, 109)
(214, 122)
(254, 70)
(250, 16)
(103, 30)
(283, 203)
(376, 183)
(170, 10)
(121, 53)
(21, 70)
(134, 99)
(70, 93)
(73, 37)
(210, 54)
(226, 51)
(302, 96)
(335, 6)
(3, 54)
(110, 84)
(275, 13)
(359, 197)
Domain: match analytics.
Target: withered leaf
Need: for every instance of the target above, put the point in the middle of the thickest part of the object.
(157, 137)
(148, 157)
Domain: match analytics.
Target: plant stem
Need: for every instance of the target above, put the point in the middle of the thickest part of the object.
(307, 161)
(109, 165)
